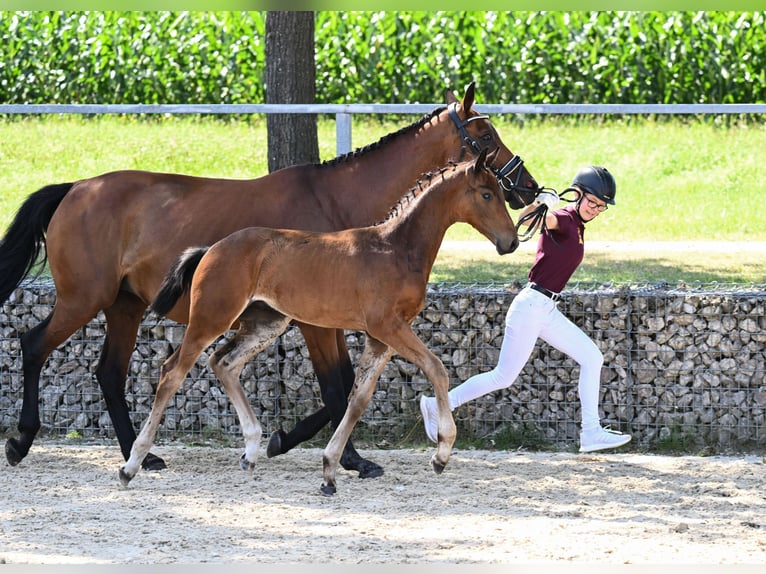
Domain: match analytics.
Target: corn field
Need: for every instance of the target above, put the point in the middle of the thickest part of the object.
(388, 57)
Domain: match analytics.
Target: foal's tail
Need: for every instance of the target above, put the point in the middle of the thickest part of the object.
(178, 280)
(24, 241)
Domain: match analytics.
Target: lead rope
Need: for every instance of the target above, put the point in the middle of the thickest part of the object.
(537, 215)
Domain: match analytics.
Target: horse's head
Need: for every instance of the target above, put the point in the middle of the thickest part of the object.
(486, 210)
(478, 133)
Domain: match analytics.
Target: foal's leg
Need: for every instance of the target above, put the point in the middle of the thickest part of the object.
(122, 322)
(374, 358)
(335, 374)
(172, 376)
(407, 344)
(227, 363)
(209, 317)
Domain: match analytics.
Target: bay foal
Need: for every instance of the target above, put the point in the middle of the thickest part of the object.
(370, 279)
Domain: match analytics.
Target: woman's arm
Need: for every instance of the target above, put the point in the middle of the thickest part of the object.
(551, 221)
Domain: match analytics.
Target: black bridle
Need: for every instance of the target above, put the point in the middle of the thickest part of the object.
(504, 173)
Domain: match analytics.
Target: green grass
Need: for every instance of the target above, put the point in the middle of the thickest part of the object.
(478, 262)
(688, 179)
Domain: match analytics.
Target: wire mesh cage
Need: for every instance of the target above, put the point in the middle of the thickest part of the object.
(683, 366)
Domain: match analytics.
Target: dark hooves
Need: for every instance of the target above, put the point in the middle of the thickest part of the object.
(152, 462)
(274, 448)
(328, 490)
(245, 464)
(125, 478)
(437, 466)
(368, 469)
(12, 452)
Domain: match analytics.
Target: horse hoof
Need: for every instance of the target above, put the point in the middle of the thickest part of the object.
(328, 490)
(125, 478)
(437, 466)
(274, 447)
(152, 462)
(245, 464)
(12, 452)
(369, 469)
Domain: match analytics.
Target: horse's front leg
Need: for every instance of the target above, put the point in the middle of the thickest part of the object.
(374, 358)
(335, 374)
(123, 319)
(255, 333)
(406, 343)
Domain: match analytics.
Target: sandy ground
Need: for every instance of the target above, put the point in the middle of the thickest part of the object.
(64, 505)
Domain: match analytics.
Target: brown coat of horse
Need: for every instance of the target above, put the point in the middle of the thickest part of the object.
(111, 239)
(370, 279)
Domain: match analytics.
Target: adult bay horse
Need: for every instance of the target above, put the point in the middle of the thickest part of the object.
(370, 279)
(110, 240)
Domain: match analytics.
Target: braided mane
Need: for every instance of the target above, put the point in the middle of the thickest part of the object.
(384, 140)
(423, 183)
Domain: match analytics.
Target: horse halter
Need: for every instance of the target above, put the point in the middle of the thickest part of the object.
(503, 173)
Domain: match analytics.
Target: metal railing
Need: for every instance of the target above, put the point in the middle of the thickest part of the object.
(344, 112)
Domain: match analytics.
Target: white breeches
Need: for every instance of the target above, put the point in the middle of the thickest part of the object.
(532, 315)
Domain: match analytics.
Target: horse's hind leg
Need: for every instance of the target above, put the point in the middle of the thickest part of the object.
(33, 359)
(172, 375)
(335, 374)
(374, 358)
(36, 345)
(258, 328)
(350, 459)
(123, 319)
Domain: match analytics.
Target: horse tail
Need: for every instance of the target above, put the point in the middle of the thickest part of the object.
(24, 242)
(178, 280)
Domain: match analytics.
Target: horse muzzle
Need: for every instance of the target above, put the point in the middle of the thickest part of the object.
(503, 247)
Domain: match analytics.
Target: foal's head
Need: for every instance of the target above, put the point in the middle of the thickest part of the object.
(483, 206)
(478, 133)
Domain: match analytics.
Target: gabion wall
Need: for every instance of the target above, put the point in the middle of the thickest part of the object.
(681, 364)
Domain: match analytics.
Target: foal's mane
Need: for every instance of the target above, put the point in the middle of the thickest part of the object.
(384, 140)
(408, 199)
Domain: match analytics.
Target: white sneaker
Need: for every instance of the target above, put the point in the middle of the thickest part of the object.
(601, 439)
(430, 417)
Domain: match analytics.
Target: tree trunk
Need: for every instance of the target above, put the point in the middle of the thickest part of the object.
(290, 79)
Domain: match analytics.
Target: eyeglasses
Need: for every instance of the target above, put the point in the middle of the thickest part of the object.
(596, 205)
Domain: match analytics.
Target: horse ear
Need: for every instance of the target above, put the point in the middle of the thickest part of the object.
(450, 97)
(468, 98)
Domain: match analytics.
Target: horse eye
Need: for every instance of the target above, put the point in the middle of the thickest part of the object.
(487, 137)
(486, 195)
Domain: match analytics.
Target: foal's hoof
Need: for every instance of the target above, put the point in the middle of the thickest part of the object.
(152, 462)
(274, 447)
(437, 466)
(245, 464)
(125, 478)
(328, 490)
(12, 452)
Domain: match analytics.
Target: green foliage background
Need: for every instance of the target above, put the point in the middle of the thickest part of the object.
(389, 57)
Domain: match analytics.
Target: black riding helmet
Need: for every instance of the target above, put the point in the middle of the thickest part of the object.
(596, 181)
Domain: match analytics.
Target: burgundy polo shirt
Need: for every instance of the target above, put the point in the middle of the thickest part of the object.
(557, 261)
